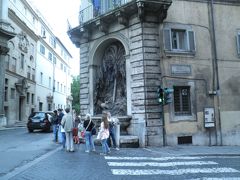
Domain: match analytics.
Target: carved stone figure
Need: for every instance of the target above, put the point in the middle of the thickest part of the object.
(110, 89)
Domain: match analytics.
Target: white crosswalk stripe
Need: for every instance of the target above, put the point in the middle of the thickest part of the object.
(168, 164)
(137, 166)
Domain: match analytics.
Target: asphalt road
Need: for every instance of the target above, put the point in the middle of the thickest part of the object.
(34, 156)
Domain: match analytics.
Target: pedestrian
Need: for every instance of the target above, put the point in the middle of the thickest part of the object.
(88, 126)
(67, 123)
(55, 126)
(103, 134)
(81, 132)
(61, 133)
(112, 131)
(75, 129)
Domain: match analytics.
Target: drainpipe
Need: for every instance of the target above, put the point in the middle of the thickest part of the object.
(215, 69)
(141, 14)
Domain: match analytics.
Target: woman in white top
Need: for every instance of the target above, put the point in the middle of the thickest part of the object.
(104, 134)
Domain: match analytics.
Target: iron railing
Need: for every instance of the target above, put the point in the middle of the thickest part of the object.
(105, 6)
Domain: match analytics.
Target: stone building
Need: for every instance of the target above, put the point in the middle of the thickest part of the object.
(37, 66)
(130, 48)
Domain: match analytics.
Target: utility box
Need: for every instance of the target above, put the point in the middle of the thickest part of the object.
(209, 118)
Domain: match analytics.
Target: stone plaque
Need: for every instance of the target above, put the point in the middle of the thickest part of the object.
(177, 69)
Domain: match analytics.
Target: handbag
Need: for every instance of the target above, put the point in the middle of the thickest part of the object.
(75, 131)
(94, 131)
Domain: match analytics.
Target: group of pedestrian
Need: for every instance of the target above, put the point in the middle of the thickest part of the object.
(58, 130)
(71, 130)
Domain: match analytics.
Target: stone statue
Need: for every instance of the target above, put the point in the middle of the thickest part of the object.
(110, 89)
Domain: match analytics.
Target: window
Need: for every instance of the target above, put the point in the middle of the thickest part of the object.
(32, 98)
(182, 105)
(54, 60)
(52, 41)
(58, 86)
(7, 61)
(50, 82)
(54, 85)
(50, 56)
(61, 66)
(33, 74)
(29, 72)
(49, 107)
(43, 32)
(33, 20)
(12, 93)
(6, 94)
(40, 106)
(179, 40)
(42, 49)
(14, 64)
(238, 43)
(41, 77)
(28, 98)
(22, 61)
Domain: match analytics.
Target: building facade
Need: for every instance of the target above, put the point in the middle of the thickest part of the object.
(190, 47)
(37, 63)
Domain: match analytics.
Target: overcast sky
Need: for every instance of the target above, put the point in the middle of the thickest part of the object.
(57, 12)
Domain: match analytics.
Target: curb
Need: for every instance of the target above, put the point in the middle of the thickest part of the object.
(10, 128)
(208, 154)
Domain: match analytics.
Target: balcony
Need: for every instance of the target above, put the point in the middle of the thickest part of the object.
(106, 6)
(108, 12)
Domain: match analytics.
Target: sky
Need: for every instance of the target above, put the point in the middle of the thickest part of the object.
(57, 13)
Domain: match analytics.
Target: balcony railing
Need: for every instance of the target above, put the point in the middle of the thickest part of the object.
(105, 6)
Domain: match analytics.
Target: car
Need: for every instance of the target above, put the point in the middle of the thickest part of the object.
(40, 120)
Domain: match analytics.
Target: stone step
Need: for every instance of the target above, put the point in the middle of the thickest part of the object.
(126, 141)
(129, 141)
(20, 124)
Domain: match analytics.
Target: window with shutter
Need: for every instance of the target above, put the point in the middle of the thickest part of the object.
(179, 40)
(182, 105)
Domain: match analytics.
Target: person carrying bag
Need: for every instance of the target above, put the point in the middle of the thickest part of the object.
(88, 125)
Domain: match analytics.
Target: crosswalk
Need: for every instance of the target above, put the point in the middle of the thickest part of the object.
(169, 166)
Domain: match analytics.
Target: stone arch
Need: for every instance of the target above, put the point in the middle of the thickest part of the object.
(108, 76)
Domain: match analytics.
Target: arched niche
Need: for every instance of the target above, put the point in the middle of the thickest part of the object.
(109, 89)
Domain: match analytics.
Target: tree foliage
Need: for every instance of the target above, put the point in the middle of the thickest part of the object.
(75, 91)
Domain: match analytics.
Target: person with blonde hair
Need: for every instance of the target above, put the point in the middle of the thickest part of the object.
(88, 126)
(104, 134)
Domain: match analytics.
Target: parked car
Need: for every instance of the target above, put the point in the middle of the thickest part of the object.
(40, 120)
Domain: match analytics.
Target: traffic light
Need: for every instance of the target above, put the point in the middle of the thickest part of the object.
(160, 92)
(167, 95)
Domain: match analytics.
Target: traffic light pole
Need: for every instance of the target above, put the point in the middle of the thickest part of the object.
(163, 122)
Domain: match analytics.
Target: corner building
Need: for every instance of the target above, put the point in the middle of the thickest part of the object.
(190, 46)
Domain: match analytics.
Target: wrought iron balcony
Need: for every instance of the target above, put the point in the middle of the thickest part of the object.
(104, 7)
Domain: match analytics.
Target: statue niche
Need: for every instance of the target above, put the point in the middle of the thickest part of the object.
(110, 86)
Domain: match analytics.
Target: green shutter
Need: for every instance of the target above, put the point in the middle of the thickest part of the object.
(167, 39)
(191, 41)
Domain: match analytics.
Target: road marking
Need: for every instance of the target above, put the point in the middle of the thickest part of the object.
(152, 158)
(28, 165)
(168, 164)
(134, 172)
(207, 178)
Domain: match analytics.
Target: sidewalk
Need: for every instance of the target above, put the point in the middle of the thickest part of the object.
(17, 125)
(179, 150)
(190, 150)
